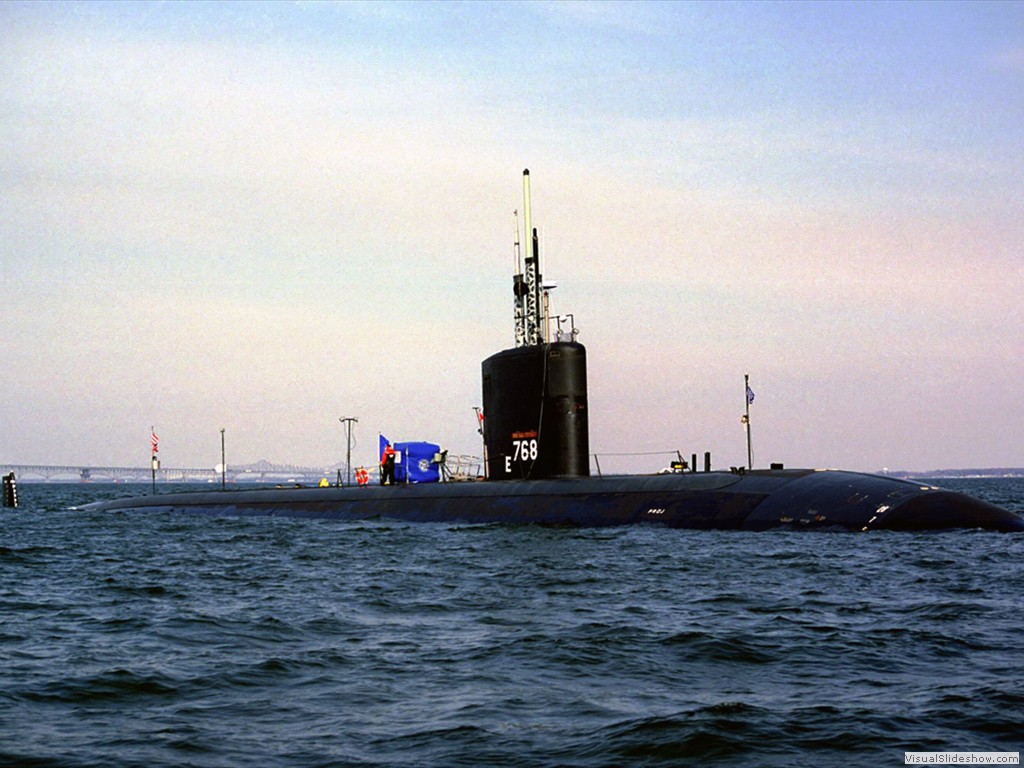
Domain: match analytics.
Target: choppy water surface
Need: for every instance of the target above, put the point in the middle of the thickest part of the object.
(153, 640)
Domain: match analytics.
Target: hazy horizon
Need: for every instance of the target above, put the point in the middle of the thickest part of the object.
(262, 217)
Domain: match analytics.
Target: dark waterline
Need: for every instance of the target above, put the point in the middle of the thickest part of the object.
(135, 639)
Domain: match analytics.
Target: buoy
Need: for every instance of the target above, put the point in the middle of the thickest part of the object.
(10, 491)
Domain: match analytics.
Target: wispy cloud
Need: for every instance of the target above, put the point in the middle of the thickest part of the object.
(1009, 59)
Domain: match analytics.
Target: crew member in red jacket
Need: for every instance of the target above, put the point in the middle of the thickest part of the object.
(387, 466)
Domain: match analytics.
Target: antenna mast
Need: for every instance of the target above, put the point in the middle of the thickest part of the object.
(519, 289)
(526, 285)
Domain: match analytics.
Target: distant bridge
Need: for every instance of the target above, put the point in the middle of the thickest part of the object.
(260, 472)
(459, 467)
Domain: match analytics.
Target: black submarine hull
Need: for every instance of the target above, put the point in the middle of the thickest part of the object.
(754, 501)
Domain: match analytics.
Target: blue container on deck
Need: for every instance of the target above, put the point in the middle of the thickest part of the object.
(417, 463)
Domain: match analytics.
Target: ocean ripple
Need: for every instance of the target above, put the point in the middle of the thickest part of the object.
(171, 640)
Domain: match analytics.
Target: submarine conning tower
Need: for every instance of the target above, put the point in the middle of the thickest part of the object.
(535, 423)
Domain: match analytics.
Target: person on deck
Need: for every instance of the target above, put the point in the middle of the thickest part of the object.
(387, 466)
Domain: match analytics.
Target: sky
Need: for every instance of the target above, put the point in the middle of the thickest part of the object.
(262, 217)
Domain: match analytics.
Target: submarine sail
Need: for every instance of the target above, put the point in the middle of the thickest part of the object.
(535, 395)
(535, 412)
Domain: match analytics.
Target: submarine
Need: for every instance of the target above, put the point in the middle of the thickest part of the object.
(537, 470)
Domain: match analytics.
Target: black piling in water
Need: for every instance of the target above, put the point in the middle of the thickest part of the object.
(10, 490)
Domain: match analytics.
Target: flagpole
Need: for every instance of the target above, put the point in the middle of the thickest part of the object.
(483, 438)
(746, 419)
(152, 455)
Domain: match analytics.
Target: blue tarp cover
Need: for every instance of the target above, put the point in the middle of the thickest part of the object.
(417, 459)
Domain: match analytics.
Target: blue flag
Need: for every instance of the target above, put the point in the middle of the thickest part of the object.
(750, 395)
(384, 443)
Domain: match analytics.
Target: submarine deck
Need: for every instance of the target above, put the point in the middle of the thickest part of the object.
(755, 500)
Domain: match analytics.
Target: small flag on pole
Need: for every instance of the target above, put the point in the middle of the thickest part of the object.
(153, 440)
(746, 421)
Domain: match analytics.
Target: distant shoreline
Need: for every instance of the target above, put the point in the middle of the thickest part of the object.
(955, 473)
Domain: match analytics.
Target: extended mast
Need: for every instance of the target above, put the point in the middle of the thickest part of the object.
(526, 285)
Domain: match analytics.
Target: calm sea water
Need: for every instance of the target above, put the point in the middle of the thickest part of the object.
(160, 640)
